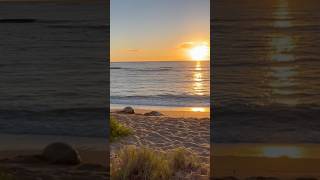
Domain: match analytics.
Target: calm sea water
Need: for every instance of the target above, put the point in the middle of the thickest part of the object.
(53, 68)
(170, 84)
(266, 71)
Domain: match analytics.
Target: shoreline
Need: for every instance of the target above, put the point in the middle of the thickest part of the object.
(174, 112)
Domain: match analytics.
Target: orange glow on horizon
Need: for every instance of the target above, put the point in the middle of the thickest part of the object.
(186, 51)
(198, 109)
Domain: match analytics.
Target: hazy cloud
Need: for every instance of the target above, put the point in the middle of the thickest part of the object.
(186, 45)
(133, 51)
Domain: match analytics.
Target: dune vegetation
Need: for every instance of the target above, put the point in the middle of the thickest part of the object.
(118, 130)
(148, 164)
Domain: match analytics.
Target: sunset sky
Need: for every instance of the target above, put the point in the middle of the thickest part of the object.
(160, 30)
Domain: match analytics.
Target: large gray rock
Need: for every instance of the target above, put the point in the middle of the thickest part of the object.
(127, 110)
(61, 153)
(153, 113)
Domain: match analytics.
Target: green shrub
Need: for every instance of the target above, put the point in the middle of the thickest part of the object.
(117, 130)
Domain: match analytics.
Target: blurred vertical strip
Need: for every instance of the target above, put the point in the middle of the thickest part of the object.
(211, 87)
(108, 83)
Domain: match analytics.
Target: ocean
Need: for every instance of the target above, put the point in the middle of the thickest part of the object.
(53, 68)
(162, 84)
(266, 86)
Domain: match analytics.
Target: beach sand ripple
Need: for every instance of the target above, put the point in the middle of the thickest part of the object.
(166, 133)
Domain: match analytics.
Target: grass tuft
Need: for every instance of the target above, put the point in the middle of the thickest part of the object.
(117, 130)
(146, 164)
(182, 160)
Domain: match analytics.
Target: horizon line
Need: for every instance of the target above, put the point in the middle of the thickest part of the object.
(160, 61)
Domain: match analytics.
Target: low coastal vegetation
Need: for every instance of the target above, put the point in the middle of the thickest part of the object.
(118, 130)
(144, 163)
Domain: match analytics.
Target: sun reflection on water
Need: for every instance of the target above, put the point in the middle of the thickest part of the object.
(282, 57)
(282, 43)
(283, 75)
(282, 70)
(282, 151)
(282, 47)
(282, 15)
(198, 85)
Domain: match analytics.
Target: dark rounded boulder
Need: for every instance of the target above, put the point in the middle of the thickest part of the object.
(153, 113)
(61, 153)
(127, 110)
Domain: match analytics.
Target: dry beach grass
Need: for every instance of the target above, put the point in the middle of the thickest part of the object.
(144, 163)
(161, 147)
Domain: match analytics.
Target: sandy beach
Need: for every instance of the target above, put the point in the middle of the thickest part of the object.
(288, 162)
(166, 132)
(17, 158)
(278, 168)
(92, 150)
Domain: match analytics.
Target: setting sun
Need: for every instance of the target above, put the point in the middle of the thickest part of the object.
(199, 109)
(199, 52)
